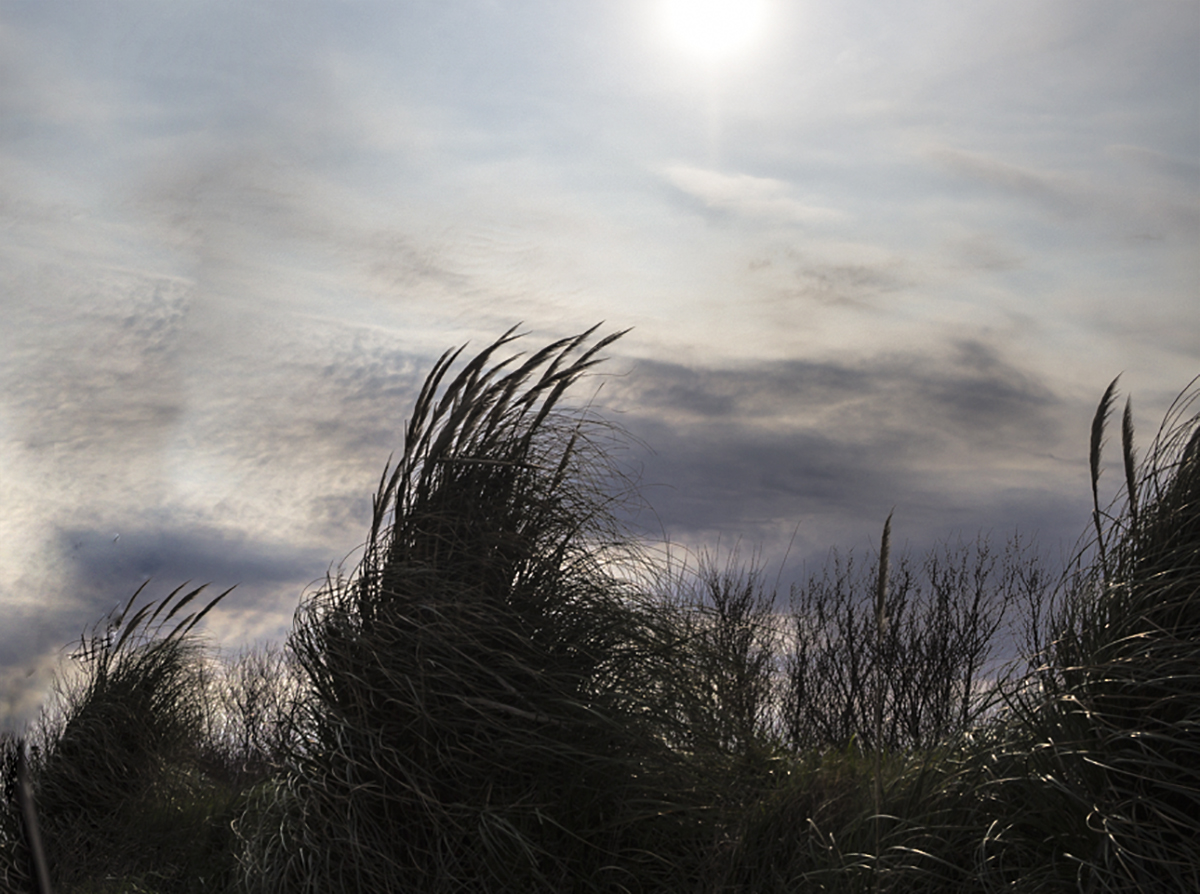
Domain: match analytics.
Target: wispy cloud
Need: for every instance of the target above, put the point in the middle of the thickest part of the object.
(758, 198)
(1058, 192)
(1143, 209)
(1182, 172)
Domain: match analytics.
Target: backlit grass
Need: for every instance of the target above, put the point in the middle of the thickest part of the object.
(506, 693)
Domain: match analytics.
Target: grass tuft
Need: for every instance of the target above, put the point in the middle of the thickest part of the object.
(117, 787)
(484, 692)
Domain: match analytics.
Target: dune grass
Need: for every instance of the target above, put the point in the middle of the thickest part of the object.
(118, 789)
(507, 694)
(1087, 775)
(485, 695)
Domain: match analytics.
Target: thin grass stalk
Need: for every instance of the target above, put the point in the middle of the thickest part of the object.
(880, 687)
(33, 834)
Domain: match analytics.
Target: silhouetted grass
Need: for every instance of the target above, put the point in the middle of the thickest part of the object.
(506, 694)
(1088, 777)
(930, 666)
(487, 701)
(118, 792)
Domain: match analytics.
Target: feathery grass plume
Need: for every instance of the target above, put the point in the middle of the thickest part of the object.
(1130, 457)
(117, 752)
(486, 696)
(1099, 421)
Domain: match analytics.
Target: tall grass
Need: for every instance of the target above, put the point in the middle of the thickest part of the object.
(1089, 778)
(506, 694)
(486, 696)
(1081, 775)
(1124, 672)
(114, 760)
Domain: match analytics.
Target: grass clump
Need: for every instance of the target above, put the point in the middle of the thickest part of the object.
(1087, 777)
(1120, 705)
(119, 791)
(484, 693)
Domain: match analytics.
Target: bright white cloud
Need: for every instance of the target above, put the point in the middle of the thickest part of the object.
(761, 198)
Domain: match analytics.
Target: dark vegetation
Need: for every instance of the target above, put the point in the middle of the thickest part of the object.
(508, 694)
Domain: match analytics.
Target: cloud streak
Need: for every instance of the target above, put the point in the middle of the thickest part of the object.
(742, 195)
(958, 442)
(1160, 210)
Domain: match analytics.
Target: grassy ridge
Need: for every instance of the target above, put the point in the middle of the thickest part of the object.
(505, 694)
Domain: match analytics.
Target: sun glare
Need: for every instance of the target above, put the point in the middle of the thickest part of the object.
(713, 29)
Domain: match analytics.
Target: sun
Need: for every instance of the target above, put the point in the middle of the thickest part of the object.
(713, 30)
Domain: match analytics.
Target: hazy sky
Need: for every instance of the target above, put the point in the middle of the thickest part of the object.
(876, 255)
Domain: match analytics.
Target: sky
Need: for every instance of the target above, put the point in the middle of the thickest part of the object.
(874, 257)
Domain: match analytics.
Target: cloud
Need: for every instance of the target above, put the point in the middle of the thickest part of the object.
(103, 564)
(968, 389)
(236, 239)
(960, 436)
(758, 198)
(101, 570)
(848, 276)
(1138, 209)
(98, 369)
(1058, 192)
(984, 252)
(1184, 171)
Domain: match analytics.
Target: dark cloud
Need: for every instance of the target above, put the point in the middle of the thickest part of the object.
(104, 568)
(101, 569)
(980, 393)
(971, 391)
(108, 563)
(719, 476)
(711, 393)
(954, 442)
